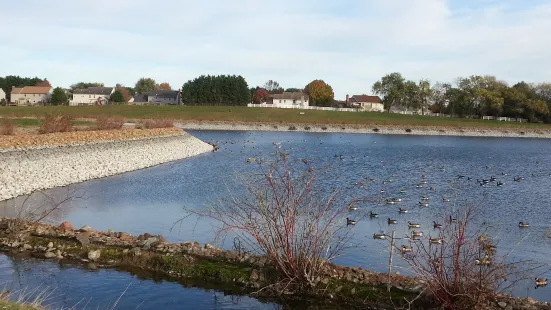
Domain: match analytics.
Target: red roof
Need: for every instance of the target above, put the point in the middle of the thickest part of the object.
(366, 98)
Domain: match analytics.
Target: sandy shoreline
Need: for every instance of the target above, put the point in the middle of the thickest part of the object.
(369, 129)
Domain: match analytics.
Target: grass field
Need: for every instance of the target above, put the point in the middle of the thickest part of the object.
(31, 122)
(263, 115)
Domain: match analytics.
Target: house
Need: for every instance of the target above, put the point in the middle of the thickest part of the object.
(157, 97)
(92, 95)
(366, 103)
(289, 99)
(31, 95)
(2, 94)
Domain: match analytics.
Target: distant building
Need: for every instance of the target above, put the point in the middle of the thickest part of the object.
(2, 94)
(289, 99)
(365, 102)
(157, 97)
(31, 95)
(92, 96)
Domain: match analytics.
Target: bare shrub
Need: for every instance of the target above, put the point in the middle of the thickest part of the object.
(158, 123)
(288, 216)
(109, 123)
(7, 127)
(53, 122)
(459, 266)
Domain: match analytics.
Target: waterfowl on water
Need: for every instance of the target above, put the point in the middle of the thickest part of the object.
(391, 221)
(423, 182)
(413, 225)
(406, 249)
(402, 191)
(424, 197)
(350, 222)
(382, 191)
(419, 186)
(379, 236)
(353, 208)
(415, 234)
(402, 210)
(423, 204)
(436, 225)
(371, 214)
(445, 199)
(523, 224)
(499, 183)
(390, 201)
(482, 261)
(435, 240)
(452, 220)
(541, 282)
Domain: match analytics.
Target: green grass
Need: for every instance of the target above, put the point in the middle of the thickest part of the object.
(30, 122)
(264, 115)
(6, 305)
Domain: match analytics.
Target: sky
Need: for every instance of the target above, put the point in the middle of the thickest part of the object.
(349, 44)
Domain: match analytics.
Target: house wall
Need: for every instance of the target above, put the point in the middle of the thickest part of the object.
(31, 99)
(290, 102)
(2, 94)
(161, 100)
(88, 99)
(372, 106)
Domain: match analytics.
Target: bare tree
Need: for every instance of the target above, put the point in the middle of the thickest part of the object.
(287, 216)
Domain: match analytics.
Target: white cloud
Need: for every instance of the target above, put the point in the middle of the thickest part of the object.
(348, 43)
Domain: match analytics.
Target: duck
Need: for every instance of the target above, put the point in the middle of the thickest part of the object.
(499, 183)
(390, 201)
(353, 208)
(423, 182)
(372, 215)
(423, 204)
(391, 221)
(382, 191)
(350, 222)
(379, 236)
(419, 186)
(416, 234)
(452, 220)
(523, 225)
(406, 249)
(446, 199)
(424, 197)
(435, 240)
(402, 210)
(414, 225)
(402, 191)
(482, 261)
(541, 282)
(436, 225)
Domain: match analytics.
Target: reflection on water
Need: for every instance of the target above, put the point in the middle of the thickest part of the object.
(151, 200)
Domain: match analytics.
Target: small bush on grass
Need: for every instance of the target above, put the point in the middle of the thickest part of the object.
(408, 130)
(7, 127)
(323, 128)
(292, 128)
(375, 129)
(275, 127)
(159, 123)
(522, 133)
(56, 123)
(109, 123)
(307, 128)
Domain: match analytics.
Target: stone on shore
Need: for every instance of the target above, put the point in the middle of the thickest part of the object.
(94, 255)
(85, 228)
(66, 226)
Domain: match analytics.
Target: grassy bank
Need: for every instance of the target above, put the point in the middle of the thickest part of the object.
(7, 305)
(262, 115)
(32, 122)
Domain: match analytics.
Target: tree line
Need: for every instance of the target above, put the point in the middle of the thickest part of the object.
(469, 96)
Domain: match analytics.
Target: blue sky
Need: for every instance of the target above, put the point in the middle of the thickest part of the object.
(348, 43)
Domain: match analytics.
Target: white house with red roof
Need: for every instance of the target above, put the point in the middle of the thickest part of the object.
(365, 102)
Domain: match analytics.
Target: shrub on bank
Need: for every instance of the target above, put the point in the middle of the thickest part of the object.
(323, 128)
(292, 128)
(159, 123)
(375, 129)
(7, 127)
(307, 128)
(56, 123)
(408, 130)
(109, 123)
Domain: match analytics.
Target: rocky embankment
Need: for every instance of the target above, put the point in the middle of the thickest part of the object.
(35, 162)
(371, 129)
(244, 272)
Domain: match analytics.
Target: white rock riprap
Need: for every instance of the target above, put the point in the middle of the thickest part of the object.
(25, 171)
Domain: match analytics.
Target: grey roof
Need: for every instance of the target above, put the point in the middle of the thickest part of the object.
(140, 98)
(290, 95)
(94, 91)
(162, 93)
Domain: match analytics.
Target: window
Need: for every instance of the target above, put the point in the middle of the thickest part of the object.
(279, 101)
(294, 101)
